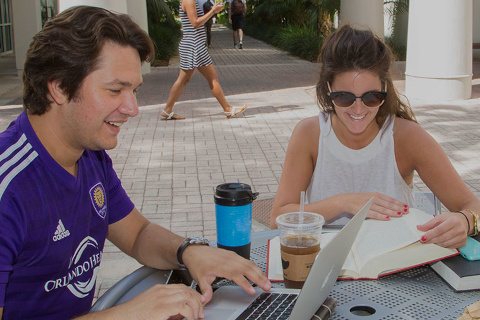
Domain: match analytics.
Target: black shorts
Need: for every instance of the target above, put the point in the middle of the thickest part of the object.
(237, 21)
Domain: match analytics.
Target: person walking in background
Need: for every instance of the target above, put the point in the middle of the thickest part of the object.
(236, 17)
(194, 55)
(208, 31)
(207, 5)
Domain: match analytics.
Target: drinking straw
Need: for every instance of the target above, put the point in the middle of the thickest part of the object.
(302, 203)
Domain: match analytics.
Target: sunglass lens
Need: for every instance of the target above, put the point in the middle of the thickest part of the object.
(372, 99)
(343, 99)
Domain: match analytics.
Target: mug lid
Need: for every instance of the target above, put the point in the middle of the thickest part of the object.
(239, 193)
(233, 190)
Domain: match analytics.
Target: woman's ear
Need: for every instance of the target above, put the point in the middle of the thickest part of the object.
(56, 92)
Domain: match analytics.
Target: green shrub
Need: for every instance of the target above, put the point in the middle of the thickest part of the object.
(222, 18)
(302, 42)
(165, 37)
(400, 51)
(264, 32)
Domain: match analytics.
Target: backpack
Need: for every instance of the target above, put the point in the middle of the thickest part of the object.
(238, 7)
(207, 6)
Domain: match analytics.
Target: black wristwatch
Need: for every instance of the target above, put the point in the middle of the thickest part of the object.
(188, 241)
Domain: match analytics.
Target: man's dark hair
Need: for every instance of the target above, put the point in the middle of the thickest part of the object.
(68, 47)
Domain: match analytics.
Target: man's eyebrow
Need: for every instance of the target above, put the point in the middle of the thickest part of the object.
(122, 83)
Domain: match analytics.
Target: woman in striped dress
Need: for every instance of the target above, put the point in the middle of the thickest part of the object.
(194, 55)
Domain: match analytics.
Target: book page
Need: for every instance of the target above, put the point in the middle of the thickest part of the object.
(379, 237)
(274, 261)
(412, 255)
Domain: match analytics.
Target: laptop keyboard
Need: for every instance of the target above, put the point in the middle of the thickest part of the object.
(270, 306)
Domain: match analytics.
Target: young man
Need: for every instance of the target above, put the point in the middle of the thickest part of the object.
(236, 17)
(59, 195)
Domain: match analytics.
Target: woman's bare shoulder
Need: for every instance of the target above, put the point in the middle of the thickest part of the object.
(411, 136)
(306, 132)
(308, 124)
(404, 128)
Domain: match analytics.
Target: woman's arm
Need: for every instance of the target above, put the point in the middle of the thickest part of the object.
(416, 150)
(297, 168)
(189, 7)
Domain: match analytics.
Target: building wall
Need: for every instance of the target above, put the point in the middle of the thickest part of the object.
(114, 5)
(30, 10)
(24, 10)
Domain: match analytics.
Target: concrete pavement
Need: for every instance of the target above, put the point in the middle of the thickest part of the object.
(170, 168)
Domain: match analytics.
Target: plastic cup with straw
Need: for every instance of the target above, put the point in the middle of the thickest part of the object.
(300, 234)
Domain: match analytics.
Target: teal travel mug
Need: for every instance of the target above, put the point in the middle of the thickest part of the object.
(233, 212)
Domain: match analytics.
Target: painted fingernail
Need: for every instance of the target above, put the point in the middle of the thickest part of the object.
(406, 206)
(388, 218)
(423, 239)
(399, 213)
(405, 210)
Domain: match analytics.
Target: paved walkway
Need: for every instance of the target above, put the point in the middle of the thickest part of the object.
(170, 168)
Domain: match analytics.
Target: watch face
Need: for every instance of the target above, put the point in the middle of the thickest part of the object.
(193, 240)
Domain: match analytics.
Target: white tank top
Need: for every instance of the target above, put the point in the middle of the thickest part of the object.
(340, 170)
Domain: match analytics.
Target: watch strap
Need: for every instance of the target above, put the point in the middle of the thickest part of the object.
(188, 241)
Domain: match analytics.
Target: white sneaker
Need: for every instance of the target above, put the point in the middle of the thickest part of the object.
(240, 45)
(235, 46)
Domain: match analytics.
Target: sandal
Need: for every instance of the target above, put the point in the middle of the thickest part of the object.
(171, 116)
(235, 111)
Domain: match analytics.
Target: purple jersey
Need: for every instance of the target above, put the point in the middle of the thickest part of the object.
(52, 226)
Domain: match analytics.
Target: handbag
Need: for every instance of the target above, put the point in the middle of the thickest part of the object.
(207, 6)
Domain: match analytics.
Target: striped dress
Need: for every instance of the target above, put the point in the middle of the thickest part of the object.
(192, 49)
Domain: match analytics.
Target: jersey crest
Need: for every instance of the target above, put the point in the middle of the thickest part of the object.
(99, 200)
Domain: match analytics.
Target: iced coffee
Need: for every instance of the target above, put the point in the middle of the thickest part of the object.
(299, 245)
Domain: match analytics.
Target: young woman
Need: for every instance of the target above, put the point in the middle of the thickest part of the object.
(366, 142)
(194, 55)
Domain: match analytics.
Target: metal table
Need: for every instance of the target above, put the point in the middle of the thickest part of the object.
(413, 294)
(418, 293)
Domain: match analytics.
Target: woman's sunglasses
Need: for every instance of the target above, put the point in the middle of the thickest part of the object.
(344, 99)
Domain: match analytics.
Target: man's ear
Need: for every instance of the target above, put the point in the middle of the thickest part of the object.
(56, 92)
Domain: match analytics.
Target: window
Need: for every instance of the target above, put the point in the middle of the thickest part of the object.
(6, 31)
(49, 10)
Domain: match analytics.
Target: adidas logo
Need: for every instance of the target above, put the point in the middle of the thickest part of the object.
(61, 232)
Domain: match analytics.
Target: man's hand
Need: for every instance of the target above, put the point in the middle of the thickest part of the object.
(205, 264)
(160, 302)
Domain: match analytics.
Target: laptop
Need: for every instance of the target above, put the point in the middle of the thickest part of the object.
(232, 302)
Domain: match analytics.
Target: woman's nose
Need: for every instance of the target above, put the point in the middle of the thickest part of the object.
(358, 105)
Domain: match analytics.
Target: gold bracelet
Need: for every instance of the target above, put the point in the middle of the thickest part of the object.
(476, 221)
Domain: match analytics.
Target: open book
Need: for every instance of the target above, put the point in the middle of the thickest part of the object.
(381, 248)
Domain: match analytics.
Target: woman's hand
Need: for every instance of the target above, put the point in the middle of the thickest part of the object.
(383, 207)
(448, 230)
(218, 6)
